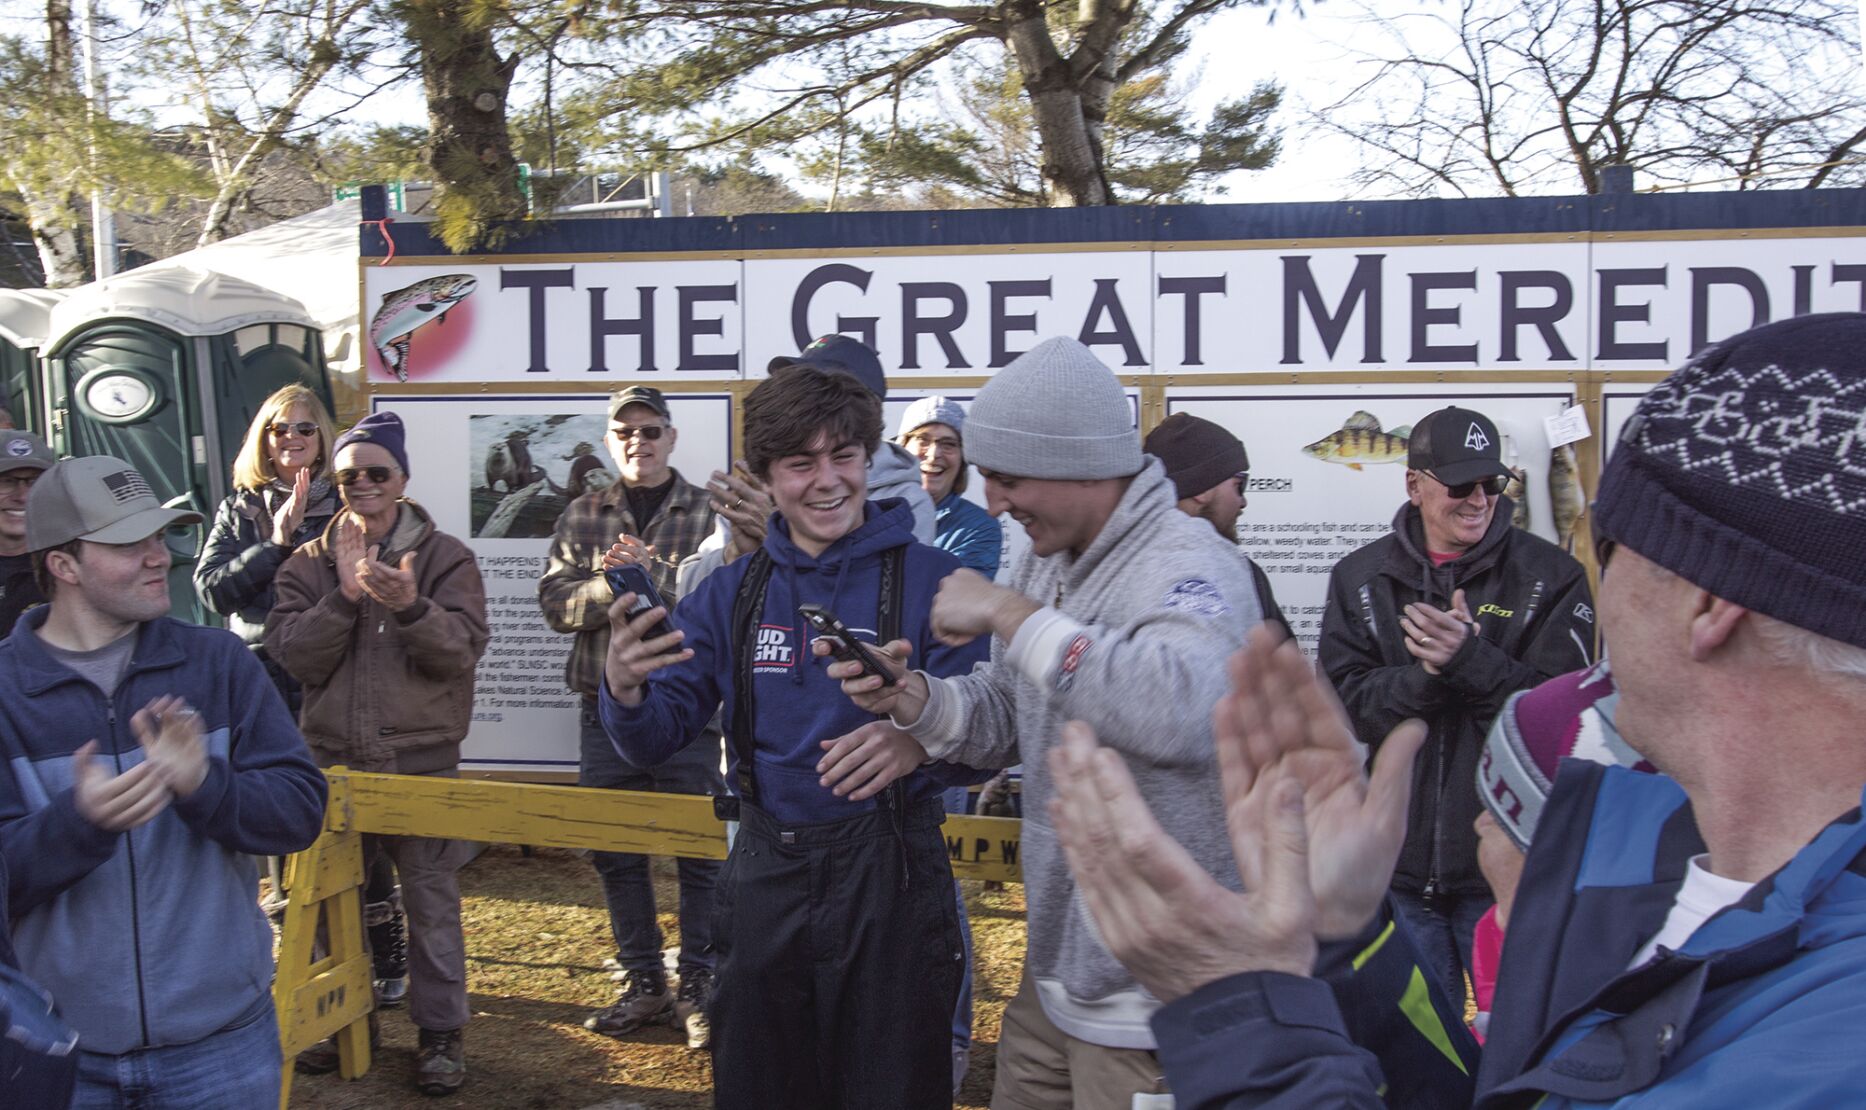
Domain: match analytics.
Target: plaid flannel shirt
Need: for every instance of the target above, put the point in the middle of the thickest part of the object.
(573, 593)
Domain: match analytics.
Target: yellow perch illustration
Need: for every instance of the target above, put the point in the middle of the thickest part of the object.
(1565, 495)
(1360, 442)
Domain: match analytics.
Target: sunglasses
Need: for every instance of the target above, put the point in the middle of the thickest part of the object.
(303, 428)
(377, 475)
(649, 432)
(1493, 486)
(1242, 478)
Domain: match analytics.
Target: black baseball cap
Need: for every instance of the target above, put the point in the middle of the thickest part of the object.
(638, 395)
(839, 352)
(1457, 446)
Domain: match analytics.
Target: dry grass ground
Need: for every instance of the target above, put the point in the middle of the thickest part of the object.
(536, 935)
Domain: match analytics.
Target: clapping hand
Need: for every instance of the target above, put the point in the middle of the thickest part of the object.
(742, 500)
(1434, 635)
(173, 742)
(116, 802)
(627, 551)
(393, 586)
(292, 513)
(346, 551)
(1315, 841)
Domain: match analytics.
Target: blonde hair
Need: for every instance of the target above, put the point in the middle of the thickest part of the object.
(252, 467)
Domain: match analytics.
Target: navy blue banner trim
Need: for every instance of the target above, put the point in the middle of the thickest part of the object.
(1189, 223)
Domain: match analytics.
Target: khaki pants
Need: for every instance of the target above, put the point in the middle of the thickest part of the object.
(1040, 1067)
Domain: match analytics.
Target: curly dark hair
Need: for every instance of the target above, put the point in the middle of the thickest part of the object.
(785, 413)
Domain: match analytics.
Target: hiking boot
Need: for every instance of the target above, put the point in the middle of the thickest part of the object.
(691, 1004)
(440, 1061)
(321, 1058)
(643, 1001)
(388, 946)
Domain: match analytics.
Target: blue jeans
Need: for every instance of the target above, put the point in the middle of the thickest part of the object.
(234, 1069)
(955, 801)
(1442, 931)
(628, 888)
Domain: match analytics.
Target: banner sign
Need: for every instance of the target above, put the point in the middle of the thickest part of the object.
(1526, 305)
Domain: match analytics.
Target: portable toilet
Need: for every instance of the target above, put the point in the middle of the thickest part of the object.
(165, 367)
(25, 316)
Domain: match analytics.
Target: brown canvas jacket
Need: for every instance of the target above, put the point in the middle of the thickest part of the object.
(384, 691)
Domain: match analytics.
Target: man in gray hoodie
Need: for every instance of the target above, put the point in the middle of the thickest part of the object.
(1121, 618)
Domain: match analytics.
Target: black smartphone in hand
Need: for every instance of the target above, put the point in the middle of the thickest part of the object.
(843, 644)
(630, 578)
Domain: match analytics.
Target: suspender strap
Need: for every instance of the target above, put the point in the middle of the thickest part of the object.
(747, 605)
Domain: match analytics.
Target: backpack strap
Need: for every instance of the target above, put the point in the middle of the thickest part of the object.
(747, 605)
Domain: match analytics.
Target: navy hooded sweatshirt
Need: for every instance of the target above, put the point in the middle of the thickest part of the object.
(796, 702)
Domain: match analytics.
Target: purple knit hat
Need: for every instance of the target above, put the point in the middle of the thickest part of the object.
(1567, 717)
(384, 429)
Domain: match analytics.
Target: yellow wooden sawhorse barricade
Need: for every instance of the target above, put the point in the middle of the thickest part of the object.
(332, 996)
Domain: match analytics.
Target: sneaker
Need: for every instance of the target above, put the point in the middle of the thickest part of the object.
(440, 1061)
(321, 1058)
(643, 1001)
(691, 1004)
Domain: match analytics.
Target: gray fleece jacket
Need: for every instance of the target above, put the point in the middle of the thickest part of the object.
(1134, 642)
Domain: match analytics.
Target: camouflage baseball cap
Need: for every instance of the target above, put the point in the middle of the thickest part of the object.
(24, 451)
(96, 498)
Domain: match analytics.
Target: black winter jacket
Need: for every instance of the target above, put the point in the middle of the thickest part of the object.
(1536, 615)
(239, 562)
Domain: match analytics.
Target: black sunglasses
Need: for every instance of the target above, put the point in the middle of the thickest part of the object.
(1242, 479)
(303, 428)
(1492, 485)
(349, 476)
(648, 432)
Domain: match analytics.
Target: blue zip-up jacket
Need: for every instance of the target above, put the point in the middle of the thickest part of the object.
(798, 704)
(969, 534)
(1762, 1006)
(152, 937)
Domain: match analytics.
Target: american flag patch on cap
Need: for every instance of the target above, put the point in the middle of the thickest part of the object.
(127, 486)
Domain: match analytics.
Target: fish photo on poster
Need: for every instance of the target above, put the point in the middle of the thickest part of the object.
(1360, 442)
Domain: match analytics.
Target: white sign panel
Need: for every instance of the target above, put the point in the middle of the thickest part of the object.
(459, 451)
(1320, 489)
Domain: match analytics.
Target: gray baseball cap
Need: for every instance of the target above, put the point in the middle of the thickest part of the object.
(24, 451)
(96, 498)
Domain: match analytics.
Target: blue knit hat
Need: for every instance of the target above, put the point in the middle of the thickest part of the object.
(384, 429)
(1745, 473)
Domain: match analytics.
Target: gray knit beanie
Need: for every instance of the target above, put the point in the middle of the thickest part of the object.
(1054, 412)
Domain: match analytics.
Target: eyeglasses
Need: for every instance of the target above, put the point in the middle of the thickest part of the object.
(377, 475)
(1493, 486)
(649, 432)
(303, 428)
(18, 480)
(930, 442)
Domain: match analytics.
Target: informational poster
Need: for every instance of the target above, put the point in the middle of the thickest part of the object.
(1016, 543)
(495, 472)
(1328, 468)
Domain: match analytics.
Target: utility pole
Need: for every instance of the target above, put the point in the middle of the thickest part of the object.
(103, 224)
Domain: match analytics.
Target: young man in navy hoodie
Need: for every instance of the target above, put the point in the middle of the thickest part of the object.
(838, 943)
(146, 762)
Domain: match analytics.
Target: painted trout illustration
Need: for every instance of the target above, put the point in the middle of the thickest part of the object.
(1565, 495)
(1361, 442)
(408, 310)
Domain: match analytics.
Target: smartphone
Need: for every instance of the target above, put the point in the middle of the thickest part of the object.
(631, 579)
(843, 644)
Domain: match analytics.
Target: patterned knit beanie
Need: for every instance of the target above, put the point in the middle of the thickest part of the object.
(1745, 474)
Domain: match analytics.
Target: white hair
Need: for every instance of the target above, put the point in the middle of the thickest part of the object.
(1797, 647)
